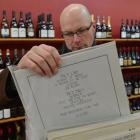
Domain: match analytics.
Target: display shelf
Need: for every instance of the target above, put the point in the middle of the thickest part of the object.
(54, 41)
(130, 67)
(23, 42)
(31, 39)
(133, 97)
(118, 40)
(27, 43)
(11, 119)
(61, 40)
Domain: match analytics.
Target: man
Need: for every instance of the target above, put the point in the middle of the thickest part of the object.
(78, 32)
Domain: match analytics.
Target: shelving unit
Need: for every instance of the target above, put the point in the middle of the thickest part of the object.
(7, 40)
(57, 42)
(62, 40)
(12, 119)
(131, 67)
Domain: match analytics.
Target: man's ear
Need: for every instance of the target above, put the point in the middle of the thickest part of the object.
(93, 20)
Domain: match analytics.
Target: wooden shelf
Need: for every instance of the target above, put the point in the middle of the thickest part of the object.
(130, 67)
(31, 39)
(61, 39)
(23, 42)
(118, 40)
(52, 41)
(133, 97)
(12, 119)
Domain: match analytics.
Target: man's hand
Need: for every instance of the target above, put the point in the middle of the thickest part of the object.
(42, 59)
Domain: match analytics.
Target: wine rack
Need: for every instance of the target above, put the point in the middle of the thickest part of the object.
(27, 43)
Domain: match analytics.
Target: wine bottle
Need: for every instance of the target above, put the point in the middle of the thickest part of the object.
(120, 55)
(14, 26)
(137, 31)
(139, 85)
(98, 28)
(8, 58)
(4, 26)
(137, 55)
(136, 87)
(129, 57)
(21, 26)
(22, 52)
(128, 35)
(18, 131)
(26, 21)
(43, 28)
(11, 132)
(132, 30)
(16, 57)
(50, 26)
(1, 60)
(129, 87)
(125, 57)
(123, 30)
(30, 27)
(109, 28)
(2, 133)
(104, 29)
(39, 26)
(133, 56)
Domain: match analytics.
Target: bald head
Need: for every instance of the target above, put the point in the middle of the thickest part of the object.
(76, 27)
(74, 13)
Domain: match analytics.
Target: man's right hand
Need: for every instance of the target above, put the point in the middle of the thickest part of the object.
(42, 59)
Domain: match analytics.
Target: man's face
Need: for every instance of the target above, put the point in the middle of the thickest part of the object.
(78, 33)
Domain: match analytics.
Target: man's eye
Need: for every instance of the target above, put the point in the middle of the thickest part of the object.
(81, 31)
(68, 34)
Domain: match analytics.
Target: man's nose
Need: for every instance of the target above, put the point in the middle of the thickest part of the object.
(76, 38)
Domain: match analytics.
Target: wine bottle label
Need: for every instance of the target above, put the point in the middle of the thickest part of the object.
(139, 89)
(5, 32)
(121, 61)
(123, 34)
(137, 35)
(14, 32)
(1, 114)
(22, 32)
(109, 34)
(6, 113)
(133, 62)
(98, 34)
(103, 34)
(129, 90)
(125, 62)
(43, 33)
(51, 33)
(136, 91)
(133, 35)
(30, 32)
(128, 35)
(129, 62)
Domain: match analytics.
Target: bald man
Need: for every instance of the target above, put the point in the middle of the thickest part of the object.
(78, 32)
